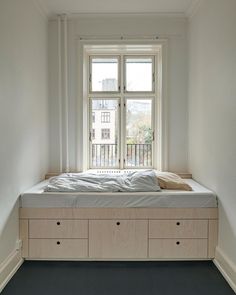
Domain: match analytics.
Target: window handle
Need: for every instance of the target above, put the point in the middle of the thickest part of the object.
(90, 136)
(153, 135)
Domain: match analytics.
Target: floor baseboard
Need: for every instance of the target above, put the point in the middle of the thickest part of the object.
(226, 267)
(9, 267)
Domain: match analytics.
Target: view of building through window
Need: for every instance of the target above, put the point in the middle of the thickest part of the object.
(105, 112)
(105, 126)
(139, 133)
(106, 117)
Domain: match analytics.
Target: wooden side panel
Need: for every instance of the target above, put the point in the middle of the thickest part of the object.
(178, 248)
(24, 236)
(119, 213)
(212, 237)
(178, 228)
(39, 228)
(58, 248)
(118, 238)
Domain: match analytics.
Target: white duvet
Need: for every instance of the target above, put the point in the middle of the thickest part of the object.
(138, 181)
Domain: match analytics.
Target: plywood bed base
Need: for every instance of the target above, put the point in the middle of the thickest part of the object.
(118, 233)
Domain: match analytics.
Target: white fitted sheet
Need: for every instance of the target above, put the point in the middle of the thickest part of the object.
(199, 197)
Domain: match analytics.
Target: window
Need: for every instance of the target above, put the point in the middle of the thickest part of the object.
(139, 74)
(93, 133)
(139, 134)
(105, 118)
(93, 117)
(104, 74)
(122, 91)
(105, 133)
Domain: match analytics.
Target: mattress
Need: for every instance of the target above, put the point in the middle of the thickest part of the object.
(200, 197)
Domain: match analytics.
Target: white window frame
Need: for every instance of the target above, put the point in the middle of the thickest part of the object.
(153, 74)
(159, 48)
(89, 134)
(123, 96)
(153, 130)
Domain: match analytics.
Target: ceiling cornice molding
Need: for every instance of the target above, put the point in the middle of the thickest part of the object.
(41, 8)
(179, 15)
(193, 8)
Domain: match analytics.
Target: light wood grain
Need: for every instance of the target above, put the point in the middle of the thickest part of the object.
(129, 240)
(49, 248)
(24, 236)
(185, 175)
(39, 228)
(212, 237)
(119, 213)
(169, 248)
(178, 228)
(118, 238)
(51, 174)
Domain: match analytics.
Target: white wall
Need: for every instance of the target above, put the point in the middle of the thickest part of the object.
(212, 109)
(174, 29)
(23, 110)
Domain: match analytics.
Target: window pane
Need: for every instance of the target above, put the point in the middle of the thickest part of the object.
(139, 74)
(105, 117)
(104, 74)
(104, 139)
(139, 133)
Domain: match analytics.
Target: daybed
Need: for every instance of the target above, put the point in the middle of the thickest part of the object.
(170, 224)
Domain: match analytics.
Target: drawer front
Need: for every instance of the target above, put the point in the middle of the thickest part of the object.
(177, 248)
(178, 229)
(118, 238)
(43, 229)
(55, 248)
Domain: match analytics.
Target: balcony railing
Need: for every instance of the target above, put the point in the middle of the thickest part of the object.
(106, 155)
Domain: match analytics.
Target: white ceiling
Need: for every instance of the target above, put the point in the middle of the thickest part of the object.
(117, 6)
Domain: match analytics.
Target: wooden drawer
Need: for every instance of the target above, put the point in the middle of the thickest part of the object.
(118, 238)
(55, 248)
(178, 228)
(177, 248)
(58, 229)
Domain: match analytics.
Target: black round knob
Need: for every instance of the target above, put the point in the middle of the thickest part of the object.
(58, 223)
(177, 223)
(58, 243)
(177, 243)
(118, 223)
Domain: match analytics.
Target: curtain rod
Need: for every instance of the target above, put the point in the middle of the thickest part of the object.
(127, 37)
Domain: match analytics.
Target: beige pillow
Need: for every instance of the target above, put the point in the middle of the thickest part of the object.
(168, 180)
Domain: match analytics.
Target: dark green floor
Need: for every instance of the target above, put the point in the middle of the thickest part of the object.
(113, 278)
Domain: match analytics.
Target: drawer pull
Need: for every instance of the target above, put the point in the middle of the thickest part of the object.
(177, 243)
(58, 243)
(177, 223)
(118, 223)
(58, 223)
